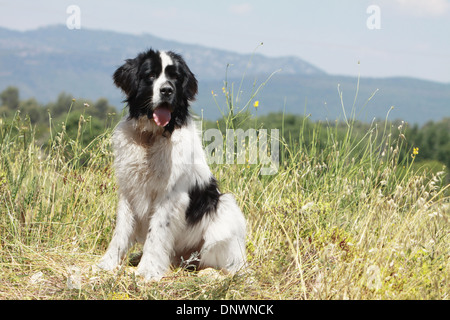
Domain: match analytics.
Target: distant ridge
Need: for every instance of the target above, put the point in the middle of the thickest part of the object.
(46, 61)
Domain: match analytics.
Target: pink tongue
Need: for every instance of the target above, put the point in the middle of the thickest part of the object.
(161, 116)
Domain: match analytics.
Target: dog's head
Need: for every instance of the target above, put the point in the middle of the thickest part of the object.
(158, 85)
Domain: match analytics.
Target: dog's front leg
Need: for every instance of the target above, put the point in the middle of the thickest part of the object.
(158, 249)
(123, 237)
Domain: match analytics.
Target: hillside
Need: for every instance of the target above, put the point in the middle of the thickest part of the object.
(339, 220)
(352, 211)
(414, 100)
(44, 62)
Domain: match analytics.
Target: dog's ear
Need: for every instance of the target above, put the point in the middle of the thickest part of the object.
(126, 76)
(190, 84)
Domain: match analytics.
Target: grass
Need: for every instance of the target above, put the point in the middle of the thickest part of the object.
(348, 220)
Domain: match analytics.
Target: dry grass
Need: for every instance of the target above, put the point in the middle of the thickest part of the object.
(331, 224)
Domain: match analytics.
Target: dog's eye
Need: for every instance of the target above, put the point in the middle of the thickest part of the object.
(172, 72)
(152, 76)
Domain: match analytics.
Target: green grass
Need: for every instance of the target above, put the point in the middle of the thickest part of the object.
(348, 220)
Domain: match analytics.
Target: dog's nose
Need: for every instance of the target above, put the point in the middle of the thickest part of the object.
(166, 91)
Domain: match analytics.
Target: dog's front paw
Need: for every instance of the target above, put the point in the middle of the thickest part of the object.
(149, 274)
(107, 263)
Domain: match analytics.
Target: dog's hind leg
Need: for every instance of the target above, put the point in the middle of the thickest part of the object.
(123, 237)
(224, 246)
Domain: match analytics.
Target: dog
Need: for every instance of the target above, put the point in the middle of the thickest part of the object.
(168, 198)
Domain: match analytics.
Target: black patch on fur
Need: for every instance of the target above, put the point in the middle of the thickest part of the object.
(136, 78)
(203, 201)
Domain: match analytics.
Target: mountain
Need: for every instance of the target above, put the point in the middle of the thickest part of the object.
(44, 62)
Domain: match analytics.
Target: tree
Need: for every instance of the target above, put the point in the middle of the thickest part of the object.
(101, 107)
(32, 108)
(10, 98)
(61, 106)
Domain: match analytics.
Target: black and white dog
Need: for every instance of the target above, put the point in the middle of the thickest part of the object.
(168, 197)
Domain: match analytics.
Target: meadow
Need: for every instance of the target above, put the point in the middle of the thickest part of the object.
(345, 217)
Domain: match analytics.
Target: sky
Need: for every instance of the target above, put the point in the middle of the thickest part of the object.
(373, 38)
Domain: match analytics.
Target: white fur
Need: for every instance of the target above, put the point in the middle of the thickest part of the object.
(155, 173)
(166, 61)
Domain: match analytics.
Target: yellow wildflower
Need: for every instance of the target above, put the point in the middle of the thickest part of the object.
(256, 104)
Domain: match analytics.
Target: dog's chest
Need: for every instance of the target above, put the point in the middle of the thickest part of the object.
(143, 165)
(150, 166)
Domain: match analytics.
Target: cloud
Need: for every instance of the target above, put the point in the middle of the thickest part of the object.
(241, 9)
(431, 8)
